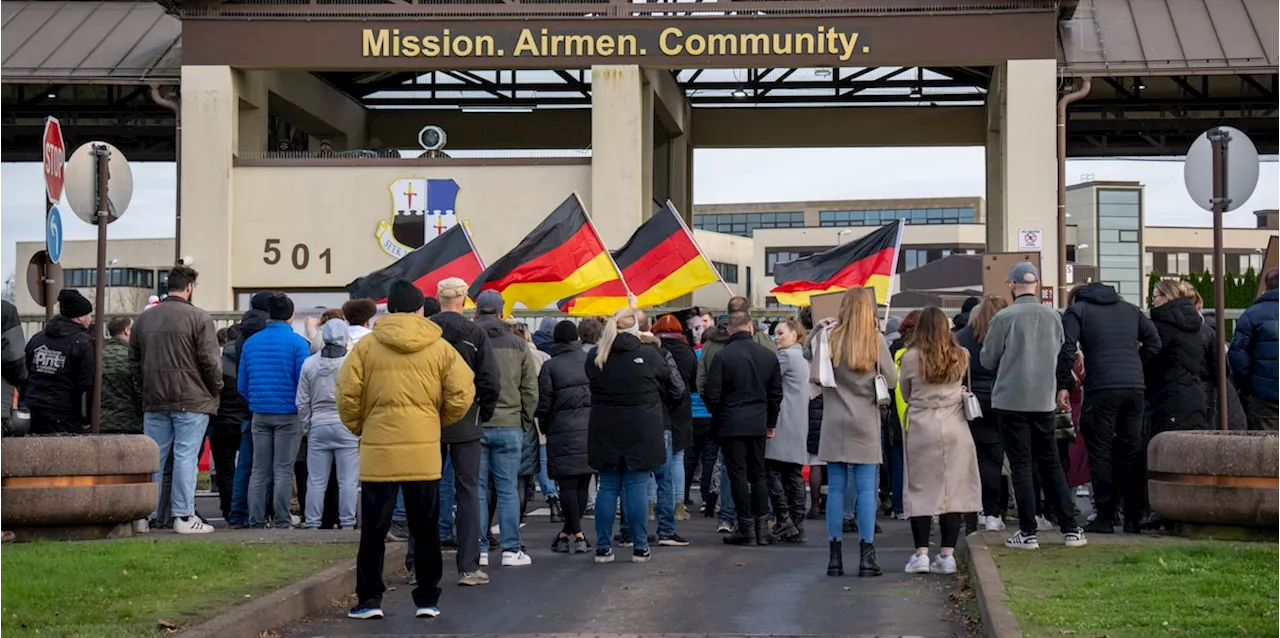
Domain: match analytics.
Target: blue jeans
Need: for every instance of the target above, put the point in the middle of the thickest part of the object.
(181, 432)
(865, 480)
(500, 456)
(240, 489)
(445, 524)
(545, 483)
(631, 487)
(666, 493)
(727, 513)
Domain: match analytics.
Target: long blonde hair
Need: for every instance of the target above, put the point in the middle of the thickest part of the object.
(855, 341)
(620, 321)
(942, 360)
(981, 321)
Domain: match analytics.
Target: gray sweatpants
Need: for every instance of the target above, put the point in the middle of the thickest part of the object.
(332, 442)
(276, 438)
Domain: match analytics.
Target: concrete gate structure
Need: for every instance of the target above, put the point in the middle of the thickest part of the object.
(640, 85)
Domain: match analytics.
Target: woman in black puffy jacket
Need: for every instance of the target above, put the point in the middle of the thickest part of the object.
(1175, 397)
(564, 410)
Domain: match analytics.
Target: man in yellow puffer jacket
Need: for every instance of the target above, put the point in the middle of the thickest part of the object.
(394, 391)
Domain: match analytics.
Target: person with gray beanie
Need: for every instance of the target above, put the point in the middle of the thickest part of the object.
(60, 369)
(330, 441)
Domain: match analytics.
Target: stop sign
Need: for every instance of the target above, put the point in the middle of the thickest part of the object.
(55, 155)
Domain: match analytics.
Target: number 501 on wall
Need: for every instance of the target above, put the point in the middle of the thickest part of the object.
(299, 256)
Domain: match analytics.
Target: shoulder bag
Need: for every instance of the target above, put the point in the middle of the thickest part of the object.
(972, 408)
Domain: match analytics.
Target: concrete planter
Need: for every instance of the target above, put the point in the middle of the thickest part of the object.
(1215, 478)
(76, 486)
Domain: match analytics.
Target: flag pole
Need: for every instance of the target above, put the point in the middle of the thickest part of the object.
(631, 299)
(699, 247)
(893, 270)
(466, 232)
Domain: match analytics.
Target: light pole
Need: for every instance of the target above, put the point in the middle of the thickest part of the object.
(842, 233)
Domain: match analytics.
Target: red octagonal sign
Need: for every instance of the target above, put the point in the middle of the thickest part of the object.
(55, 155)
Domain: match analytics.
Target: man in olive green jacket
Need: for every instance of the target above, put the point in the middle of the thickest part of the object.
(501, 445)
(121, 406)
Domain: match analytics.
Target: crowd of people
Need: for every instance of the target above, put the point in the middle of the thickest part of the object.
(434, 426)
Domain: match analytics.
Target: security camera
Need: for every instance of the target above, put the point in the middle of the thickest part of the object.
(186, 260)
(432, 138)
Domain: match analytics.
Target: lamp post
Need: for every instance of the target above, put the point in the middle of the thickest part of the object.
(842, 233)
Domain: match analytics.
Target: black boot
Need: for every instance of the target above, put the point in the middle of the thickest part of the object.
(868, 566)
(762, 531)
(557, 516)
(709, 505)
(744, 534)
(835, 564)
(785, 531)
(798, 522)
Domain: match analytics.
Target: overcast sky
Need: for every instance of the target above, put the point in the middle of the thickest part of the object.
(720, 176)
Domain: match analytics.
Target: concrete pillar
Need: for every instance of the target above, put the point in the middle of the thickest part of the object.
(210, 106)
(995, 162)
(1025, 166)
(621, 151)
(681, 182)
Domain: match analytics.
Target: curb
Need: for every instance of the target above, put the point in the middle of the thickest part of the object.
(998, 620)
(292, 602)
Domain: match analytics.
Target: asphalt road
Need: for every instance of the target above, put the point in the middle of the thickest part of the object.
(707, 588)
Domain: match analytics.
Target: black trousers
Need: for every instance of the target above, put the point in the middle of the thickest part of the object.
(422, 508)
(948, 524)
(703, 452)
(1030, 445)
(744, 459)
(224, 442)
(573, 502)
(786, 491)
(466, 493)
(990, 448)
(1111, 422)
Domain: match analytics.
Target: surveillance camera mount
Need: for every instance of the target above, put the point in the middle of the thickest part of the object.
(432, 138)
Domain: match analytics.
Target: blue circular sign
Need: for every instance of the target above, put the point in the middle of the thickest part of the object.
(53, 235)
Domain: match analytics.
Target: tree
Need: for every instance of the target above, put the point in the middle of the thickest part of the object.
(7, 293)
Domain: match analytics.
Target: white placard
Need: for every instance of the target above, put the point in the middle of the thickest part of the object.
(1030, 239)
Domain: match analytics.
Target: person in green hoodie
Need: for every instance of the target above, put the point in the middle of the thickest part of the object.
(121, 407)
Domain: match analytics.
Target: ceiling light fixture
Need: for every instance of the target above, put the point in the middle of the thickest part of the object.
(822, 72)
(1140, 85)
(916, 93)
(51, 95)
(739, 93)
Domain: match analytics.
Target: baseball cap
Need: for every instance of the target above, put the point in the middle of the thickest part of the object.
(451, 288)
(490, 301)
(1024, 273)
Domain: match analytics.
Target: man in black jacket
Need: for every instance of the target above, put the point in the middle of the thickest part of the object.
(1116, 339)
(744, 394)
(253, 321)
(460, 441)
(60, 369)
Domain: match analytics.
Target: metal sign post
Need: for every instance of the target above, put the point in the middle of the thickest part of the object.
(103, 156)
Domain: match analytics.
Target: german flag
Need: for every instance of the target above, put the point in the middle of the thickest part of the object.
(659, 263)
(449, 255)
(562, 257)
(866, 262)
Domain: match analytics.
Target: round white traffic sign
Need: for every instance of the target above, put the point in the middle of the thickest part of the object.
(82, 183)
(1241, 169)
(54, 152)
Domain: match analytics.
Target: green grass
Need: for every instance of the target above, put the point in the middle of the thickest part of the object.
(123, 588)
(1193, 590)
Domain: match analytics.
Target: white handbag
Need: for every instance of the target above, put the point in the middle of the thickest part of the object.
(883, 398)
(972, 408)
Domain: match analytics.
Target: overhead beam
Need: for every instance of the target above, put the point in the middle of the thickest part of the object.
(839, 127)
(539, 129)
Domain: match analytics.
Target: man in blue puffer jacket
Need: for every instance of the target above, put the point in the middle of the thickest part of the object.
(270, 366)
(1255, 355)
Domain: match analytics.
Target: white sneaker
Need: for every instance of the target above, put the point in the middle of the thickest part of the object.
(943, 565)
(141, 526)
(484, 559)
(993, 523)
(191, 525)
(1075, 538)
(1043, 524)
(918, 564)
(516, 559)
(295, 520)
(1022, 541)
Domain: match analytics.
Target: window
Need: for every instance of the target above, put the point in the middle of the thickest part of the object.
(745, 223)
(116, 278)
(1071, 253)
(728, 272)
(1148, 263)
(836, 218)
(775, 257)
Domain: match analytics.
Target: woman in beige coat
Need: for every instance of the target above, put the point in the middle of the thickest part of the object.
(941, 461)
(847, 359)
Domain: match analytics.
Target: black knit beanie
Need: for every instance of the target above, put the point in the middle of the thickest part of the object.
(565, 332)
(404, 297)
(279, 307)
(259, 300)
(72, 304)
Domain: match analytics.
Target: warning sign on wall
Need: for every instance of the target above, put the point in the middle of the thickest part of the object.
(1031, 239)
